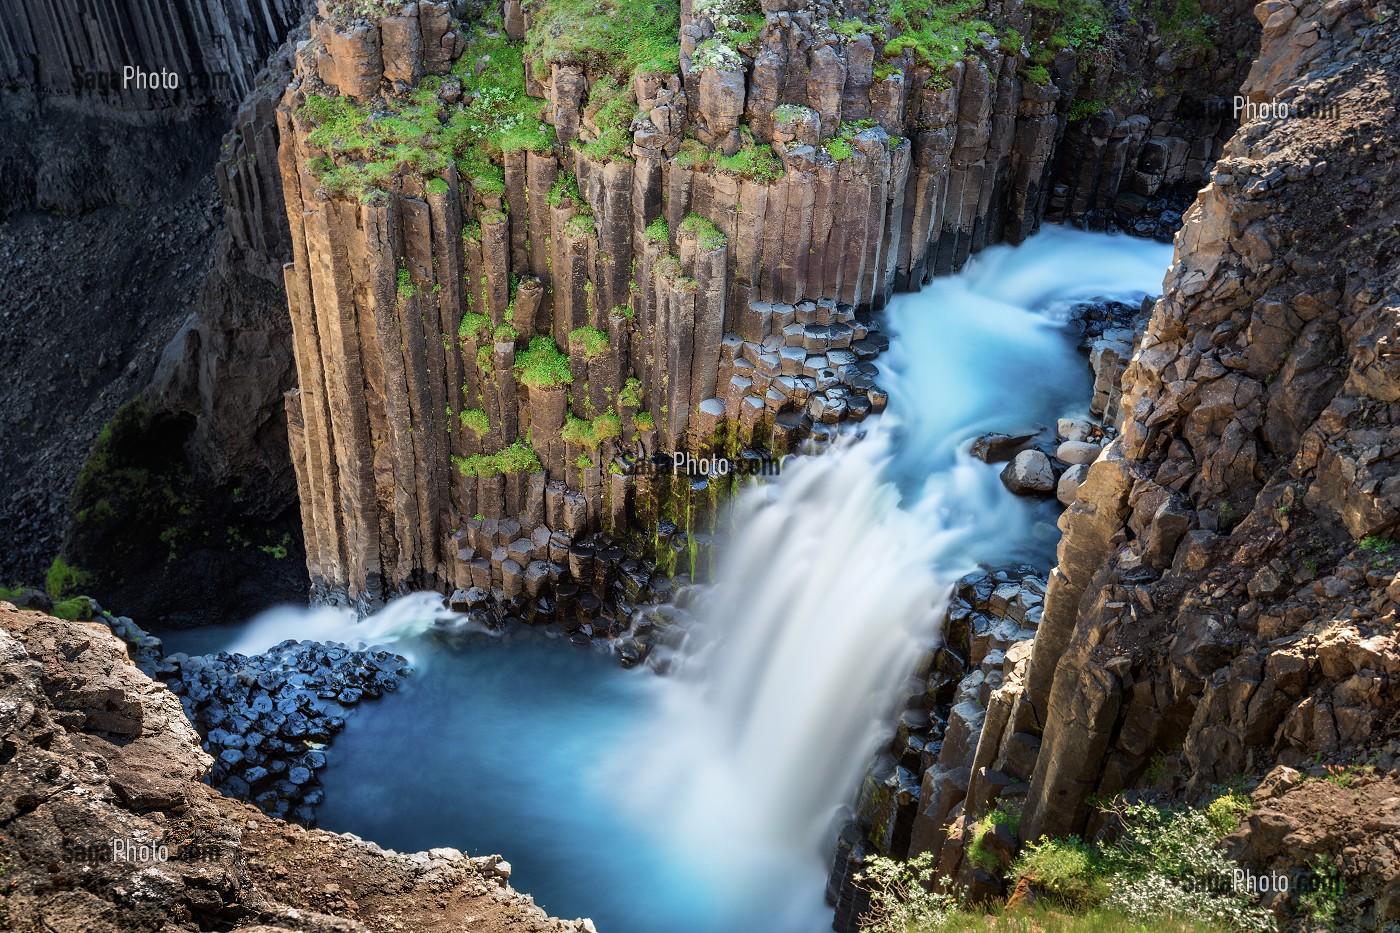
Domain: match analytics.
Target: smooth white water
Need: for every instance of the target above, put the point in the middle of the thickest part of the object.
(838, 572)
(829, 589)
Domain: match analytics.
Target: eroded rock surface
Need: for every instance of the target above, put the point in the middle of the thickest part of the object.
(106, 826)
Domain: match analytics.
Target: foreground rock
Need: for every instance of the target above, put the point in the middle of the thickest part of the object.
(107, 827)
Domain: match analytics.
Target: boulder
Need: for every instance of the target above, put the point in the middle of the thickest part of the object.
(1029, 474)
(995, 447)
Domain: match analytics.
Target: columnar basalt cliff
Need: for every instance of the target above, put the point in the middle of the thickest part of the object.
(534, 245)
(79, 135)
(1226, 594)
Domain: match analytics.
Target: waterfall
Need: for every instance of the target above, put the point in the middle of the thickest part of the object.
(837, 573)
(716, 811)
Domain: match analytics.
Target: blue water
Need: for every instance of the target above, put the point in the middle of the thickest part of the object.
(496, 748)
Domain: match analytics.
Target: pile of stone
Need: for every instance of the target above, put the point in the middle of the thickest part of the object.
(267, 719)
(813, 358)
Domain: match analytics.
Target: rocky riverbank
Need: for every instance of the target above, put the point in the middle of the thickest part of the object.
(1223, 609)
(106, 823)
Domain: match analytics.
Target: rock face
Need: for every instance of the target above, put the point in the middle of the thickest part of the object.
(1226, 594)
(79, 136)
(107, 826)
(674, 259)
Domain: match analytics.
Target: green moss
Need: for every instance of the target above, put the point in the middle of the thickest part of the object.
(542, 364)
(471, 232)
(754, 162)
(613, 110)
(591, 433)
(505, 334)
(583, 462)
(631, 395)
(693, 154)
(616, 38)
(565, 191)
(1036, 74)
(519, 457)
(594, 341)
(644, 421)
(475, 421)
(705, 231)
(64, 579)
(485, 358)
(474, 325)
(938, 33)
(1085, 109)
(658, 232)
(579, 225)
(838, 148)
(421, 134)
(75, 609)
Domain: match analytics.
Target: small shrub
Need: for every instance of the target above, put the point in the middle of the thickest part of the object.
(65, 580)
(900, 899)
(1375, 544)
(1225, 812)
(1319, 902)
(1066, 871)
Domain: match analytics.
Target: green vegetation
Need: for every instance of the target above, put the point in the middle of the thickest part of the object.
(613, 40)
(594, 341)
(940, 34)
(1036, 74)
(436, 186)
(659, 232)
(519, 457)
(505, 334)
(565, 189)
(618, 38)
(65, 580)
(367, 145)
(543, 365)
(471, 232)
(755, 162)
(1375, 544)
(1160, 869)
(406, 287)
(1225, 812)
(583, 462)
(1319, 902)
(75, 609)
(580, 225)
(474, 325)
(631, 395)
(1085, 109)
(976, 850)
(475, 421)
(1189, 28)
(591, 433)
(705, 231)
(839, 146)
(613, 118)
(644, 421)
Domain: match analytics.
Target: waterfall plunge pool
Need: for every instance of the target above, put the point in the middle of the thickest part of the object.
(706, 801)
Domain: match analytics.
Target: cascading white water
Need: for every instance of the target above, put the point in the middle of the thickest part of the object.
(837, 572)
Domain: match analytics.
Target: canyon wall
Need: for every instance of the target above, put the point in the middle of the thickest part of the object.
(533, 247)
(1225, 599)
(79, 137)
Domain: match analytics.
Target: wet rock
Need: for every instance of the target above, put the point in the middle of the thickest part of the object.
(995, 447)
(1029, 474)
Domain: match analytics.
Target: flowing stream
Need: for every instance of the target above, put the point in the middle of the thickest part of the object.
(706, 801)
